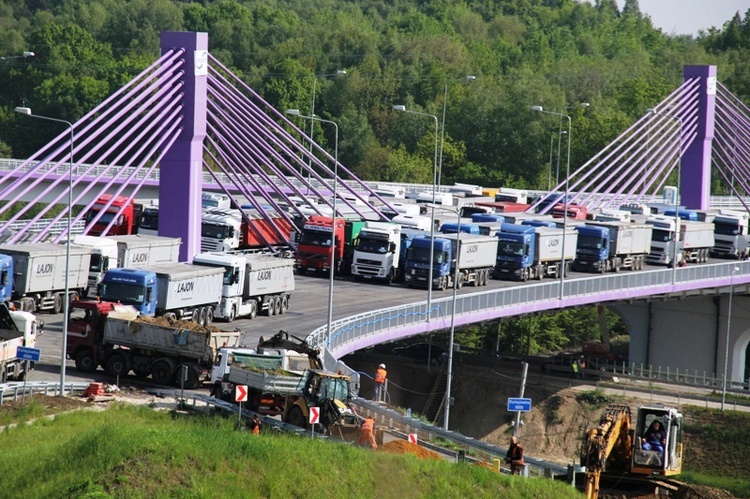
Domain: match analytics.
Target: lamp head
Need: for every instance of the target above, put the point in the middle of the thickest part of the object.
(23, 110)
(291, 112)
(470, 78)
(651, 110)
(399, 108)
(340, 72)
(537, 109)
(28, 54)
(585, 104)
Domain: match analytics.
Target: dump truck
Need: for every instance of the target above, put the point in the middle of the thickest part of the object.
(695, 241)
(38, 272)
(732, 234)
(378, 252)
(527, 252)
(611, 246)
(118, 338)
(17, 329)
(253, 283)
(314, 248)
(473, 254)
(175, 291)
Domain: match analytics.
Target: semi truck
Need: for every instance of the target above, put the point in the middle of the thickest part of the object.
(469, 256)
(252, 283)
(695, 241)
(175, 291)
(731, 234)
(230, 230)
(527, 252)
(17, 329)
(126, 251)
(125, 212)
(37, 273)
(118, 338)
(149, 223)
(611, 246)
(378, 252)
(314, 247)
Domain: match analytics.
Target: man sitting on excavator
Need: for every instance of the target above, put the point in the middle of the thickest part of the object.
(655, 437)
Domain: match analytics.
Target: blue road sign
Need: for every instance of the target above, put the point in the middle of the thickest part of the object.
(519, 405)
(26, 353)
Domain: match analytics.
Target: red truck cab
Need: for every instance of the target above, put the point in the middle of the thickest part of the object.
(314, 247)
(126, 222)
(575, 211)
(85, 328)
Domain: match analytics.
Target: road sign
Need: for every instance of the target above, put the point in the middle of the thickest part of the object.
(412, 438)
(519, 405)
(314, 415)
(240, 393)
(26, 353)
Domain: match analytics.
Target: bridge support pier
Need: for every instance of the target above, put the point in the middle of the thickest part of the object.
(689, 335)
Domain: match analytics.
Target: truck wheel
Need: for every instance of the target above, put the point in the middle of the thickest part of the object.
(209, 315)
(193, 375)
(301, 271)
(296, 418)
(161, 372)
(85, 361)
(57, 304)
(170, 316)
(201, 315)
(117, 365)
(271, 307)
(253, 310)
(232, 315)
(284, 304)
(460, 282)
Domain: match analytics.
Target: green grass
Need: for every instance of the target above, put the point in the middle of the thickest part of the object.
(136, 452)
(20, 413)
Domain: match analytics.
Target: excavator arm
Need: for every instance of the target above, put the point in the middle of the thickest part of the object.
(282, 340)
(606, 446)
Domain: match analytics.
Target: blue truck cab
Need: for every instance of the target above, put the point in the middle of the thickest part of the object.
(515, 251)
(407, 236)
(479, 218)
(533, 222)
(455, 228)
(130, 287)
(417, 269)
(6, 278)
(593, 246)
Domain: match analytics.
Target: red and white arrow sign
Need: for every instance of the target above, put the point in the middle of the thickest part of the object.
(240, 393)
(412, 438)
(314, 415)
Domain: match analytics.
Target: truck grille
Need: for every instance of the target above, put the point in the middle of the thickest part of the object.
(364, 261)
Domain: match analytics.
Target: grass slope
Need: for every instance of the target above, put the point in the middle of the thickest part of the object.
(130, 451)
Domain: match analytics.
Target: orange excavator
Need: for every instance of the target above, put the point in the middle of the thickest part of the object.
(615, 447)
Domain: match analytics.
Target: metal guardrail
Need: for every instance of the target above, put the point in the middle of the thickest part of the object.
(18, 390)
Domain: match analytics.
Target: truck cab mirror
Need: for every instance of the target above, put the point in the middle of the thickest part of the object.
(231, 232)
(149, 294)
(236, 277)
(105, 264)
(120, 220)
(392, 247)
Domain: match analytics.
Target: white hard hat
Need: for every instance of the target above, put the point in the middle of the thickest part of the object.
(382, 366)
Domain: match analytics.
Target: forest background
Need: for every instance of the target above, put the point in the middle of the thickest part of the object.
(554, 53)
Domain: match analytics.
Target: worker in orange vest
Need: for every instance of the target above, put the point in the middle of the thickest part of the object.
(254, 425)
(367, 433)
(380, 378)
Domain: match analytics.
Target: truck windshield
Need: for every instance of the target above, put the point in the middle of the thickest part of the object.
(661, 236)
(725, 229)
(589, 242)
(510, 249)
(96, 263)
(422, 255)
(105, 218)
(315, 238)
(150, 220)
(128, 294)
(214, 231)
(367, 245)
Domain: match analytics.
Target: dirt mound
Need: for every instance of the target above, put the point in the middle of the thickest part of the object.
(404, 447)
(177, 323)
(701, 492)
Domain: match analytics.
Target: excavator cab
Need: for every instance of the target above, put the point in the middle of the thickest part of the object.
(656, 462)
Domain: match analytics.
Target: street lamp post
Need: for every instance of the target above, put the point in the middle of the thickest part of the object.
(549, 176)
(447, 409)
(679, 180)
(27, 111)
(540, 109)
(442, 129)
(726, 350)
(339, 72)
(432, 215)
(295, 112)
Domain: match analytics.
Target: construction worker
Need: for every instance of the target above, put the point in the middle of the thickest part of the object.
(254, 425)
(367, 433)
(514, 457)
(380, 377)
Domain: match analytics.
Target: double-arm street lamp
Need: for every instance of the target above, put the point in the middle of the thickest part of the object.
(539, 109)
(66, 301)
(295, 112)
(442, 129)
(679, 174)
(432, 215)
(22, 56)
(726, 350)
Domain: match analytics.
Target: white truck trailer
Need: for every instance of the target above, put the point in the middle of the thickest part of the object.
(475, 257)
(611, 246)
(550, 252)
(731, 234)
(39, 274)
(252, 283)
(17, 329)
(129, 251)
(696, 240)
(378, 251)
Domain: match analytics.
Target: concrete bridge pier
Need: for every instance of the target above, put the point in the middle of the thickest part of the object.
(689, 334)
